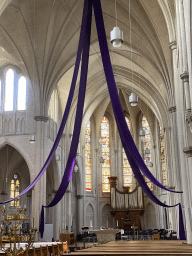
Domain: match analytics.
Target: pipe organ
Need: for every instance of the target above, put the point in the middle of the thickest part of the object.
(127, 207)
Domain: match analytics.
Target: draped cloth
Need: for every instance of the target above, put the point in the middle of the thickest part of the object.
(78, 119)
(66, 112)
(131, 150)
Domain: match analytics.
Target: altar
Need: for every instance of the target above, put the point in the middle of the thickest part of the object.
(106, 235)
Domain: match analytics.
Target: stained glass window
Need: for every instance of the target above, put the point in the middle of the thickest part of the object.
(127, 171)
(105, 152)
(9, 90)
(14, 190)
(147, 148)
(164, 175)
(21, 99)
(88, 158)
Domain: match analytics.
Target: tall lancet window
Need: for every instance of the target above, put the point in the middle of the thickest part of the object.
(164, 175)
(21, 99)
(9, 90)
(127, 171)
(14, 190)
(88, 186)
(147, 149)
(105, 152)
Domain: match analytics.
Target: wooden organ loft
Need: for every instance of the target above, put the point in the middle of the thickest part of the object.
(126, 207)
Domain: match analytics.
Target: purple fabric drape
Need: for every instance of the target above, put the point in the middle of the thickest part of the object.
(116, 104)
(78, 119)
(131, 151)
(67, 108)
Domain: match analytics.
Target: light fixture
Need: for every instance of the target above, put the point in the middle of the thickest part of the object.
(76, 168)
(147, 151)
(32, 138)
(142, 133)
(101, 160)
(116, 33)
(150, 164)
(116, 37)
(133, 99)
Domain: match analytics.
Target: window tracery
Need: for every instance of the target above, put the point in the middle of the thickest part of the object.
(147, 148)
(14, 190)
(88, 186)
(105, 152)
(127, 171)
(164, 175)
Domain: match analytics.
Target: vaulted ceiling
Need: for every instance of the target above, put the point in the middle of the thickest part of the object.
(41, 37)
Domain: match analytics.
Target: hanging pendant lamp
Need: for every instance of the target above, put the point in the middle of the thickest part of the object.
(116, 37)
(133, 99)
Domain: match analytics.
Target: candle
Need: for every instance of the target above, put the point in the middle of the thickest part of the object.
(4, 206)
(33, 222)
(25, 206)
(91, 223)
(117, 223)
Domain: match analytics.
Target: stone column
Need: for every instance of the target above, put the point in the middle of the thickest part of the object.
(182, 136)
(39, 192)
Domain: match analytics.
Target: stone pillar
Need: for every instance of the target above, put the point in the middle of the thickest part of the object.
(182, 136)
(39, 192)
(79, 212)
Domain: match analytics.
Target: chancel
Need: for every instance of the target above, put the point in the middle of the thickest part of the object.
(95, 120)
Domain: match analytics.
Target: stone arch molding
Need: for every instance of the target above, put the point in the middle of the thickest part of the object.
(24, 153)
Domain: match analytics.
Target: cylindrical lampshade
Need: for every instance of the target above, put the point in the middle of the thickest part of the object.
(133, 99)
(116, 37)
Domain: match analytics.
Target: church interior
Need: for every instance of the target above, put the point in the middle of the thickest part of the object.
(153, 71)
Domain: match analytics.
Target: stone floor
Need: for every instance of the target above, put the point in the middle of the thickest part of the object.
(154, 247)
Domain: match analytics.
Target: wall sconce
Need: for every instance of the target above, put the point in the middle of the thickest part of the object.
(133, 99)
(32, 138)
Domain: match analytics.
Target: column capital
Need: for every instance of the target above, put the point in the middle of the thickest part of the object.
(41, 118)
(188, 118)
(173, 45)
(172, 109)
(188, 151)
(185, 76)
(79, 196)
